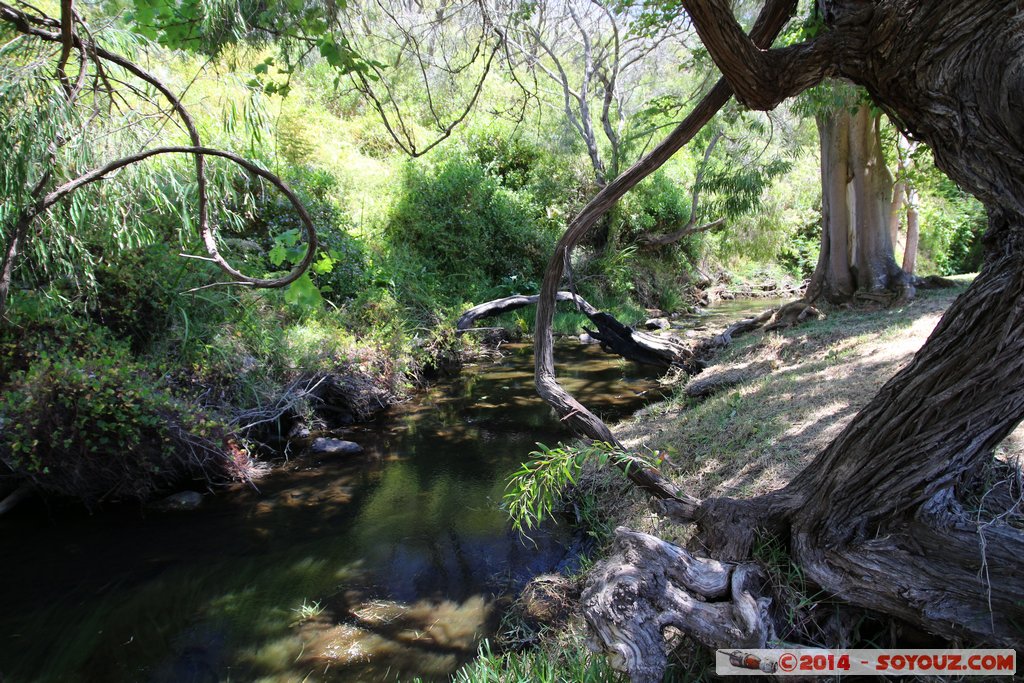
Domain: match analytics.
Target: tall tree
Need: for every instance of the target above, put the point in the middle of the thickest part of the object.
(857, 192)
(877, 518)
(590, 62)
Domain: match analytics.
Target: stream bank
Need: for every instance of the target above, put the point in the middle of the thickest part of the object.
(391, 563)
(788, 394)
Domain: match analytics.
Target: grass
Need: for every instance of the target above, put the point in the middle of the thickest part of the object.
(307, 610)
(570, 665)
(758, 435)
(744, 442)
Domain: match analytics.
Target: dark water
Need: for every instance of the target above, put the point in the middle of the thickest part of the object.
(386, 565)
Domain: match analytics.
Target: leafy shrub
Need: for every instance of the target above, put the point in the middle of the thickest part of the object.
(510, 159)
(138, 291)
(951, 230)
(799, 255)
(657, 205)
(466, 227)
(94, 427)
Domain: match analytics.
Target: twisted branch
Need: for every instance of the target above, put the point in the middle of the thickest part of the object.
(37, 26)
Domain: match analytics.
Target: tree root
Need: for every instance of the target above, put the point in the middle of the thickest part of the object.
(648, 585)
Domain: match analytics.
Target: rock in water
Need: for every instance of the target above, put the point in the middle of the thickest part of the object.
(657, 324)
(182, 500)
(327, 446)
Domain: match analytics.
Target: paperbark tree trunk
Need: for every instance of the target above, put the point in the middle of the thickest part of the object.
(913, 232)
(857, 200)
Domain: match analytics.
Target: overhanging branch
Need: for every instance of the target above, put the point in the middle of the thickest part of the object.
(760, 77)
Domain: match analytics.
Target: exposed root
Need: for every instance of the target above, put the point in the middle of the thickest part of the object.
(648, 585)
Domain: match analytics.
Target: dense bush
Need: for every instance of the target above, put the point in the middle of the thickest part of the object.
(466, 228)
(510, 159)
(952, 224)
(658, 205)
(96, 427)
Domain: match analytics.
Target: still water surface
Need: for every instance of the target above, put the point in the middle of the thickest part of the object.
(383, 566)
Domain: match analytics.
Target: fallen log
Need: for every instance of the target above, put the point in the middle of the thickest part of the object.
(511, 303)
(662, 351)
(716, 381)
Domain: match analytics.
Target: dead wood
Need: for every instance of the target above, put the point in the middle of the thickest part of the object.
(648, 585)
(663, 351)
(718, 380)
(511, 303)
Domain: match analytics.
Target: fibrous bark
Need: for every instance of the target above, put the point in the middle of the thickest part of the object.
(876, 518)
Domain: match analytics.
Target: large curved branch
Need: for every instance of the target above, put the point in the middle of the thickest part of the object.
(516, 301)
(771, 20)
(102, 172)
(761, 78)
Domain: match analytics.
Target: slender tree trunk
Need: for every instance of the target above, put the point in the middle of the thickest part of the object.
(913, 232)
(7, 268)
(895, 209)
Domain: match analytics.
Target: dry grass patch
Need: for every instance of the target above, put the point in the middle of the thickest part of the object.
(754, 437)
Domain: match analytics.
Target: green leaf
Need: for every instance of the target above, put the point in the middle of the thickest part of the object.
(303, 293)
(277, 254)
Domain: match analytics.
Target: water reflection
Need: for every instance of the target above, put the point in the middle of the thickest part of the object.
(370, 568)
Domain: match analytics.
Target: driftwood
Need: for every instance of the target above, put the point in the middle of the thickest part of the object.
(647, 585)
(933, 282)
(793, 313)
(658, 350)
(511, 303)
(717, 381)
(662, 351)
(643, 347)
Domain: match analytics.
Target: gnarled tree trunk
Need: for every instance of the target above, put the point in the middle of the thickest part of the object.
(876, 519)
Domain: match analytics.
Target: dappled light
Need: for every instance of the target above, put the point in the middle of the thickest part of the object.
(541, 340)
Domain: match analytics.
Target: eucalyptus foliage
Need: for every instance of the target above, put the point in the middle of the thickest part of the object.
(535, 490)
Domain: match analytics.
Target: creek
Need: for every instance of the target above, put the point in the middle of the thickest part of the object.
(388, 565)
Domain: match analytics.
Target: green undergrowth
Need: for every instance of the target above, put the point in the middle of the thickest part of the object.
(572, 664)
